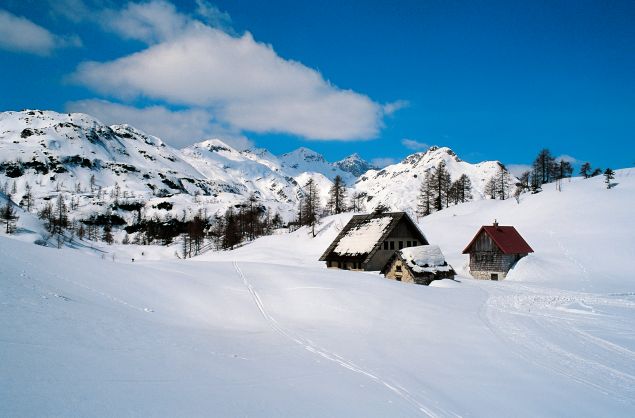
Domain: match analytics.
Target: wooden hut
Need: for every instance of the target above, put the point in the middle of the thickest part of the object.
(368, 241)
(494, 251)
(419, 265)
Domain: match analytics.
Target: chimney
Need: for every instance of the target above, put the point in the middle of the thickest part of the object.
(495, 223)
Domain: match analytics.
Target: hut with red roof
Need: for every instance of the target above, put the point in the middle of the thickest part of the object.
(494, 251)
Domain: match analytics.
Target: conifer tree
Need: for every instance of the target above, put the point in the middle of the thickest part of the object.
(27, 198)
(7, 213)
(107, 234)
(337, 196)
(440, 186)
(311, 205)
(426, 197)
(544, 167)
(608, 176)
(585, 170)
(503, 183)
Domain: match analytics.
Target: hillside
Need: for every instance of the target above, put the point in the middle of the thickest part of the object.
(397, 185)
(267, 330)
(97, 166)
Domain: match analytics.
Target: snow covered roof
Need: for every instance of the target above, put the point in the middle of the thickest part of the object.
(362, 238)
(424, 258)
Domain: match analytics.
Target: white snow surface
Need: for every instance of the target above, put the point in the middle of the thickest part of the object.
(425, 258)
(361, 239)
(267, 330)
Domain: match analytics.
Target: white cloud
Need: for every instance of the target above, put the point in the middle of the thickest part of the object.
(567, 158)
(392, 107)
(382, 162)
(177, 128)
(150, 22)
(517, 169)
(21, 35)
(213, 16)
(414, 145)
(244, 82)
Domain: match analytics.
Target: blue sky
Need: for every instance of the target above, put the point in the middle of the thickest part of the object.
(491, 80)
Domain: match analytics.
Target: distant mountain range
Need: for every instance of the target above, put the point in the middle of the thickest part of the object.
(95, 164)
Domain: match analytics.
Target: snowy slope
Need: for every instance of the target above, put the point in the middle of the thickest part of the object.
(267, 330)
(397, 185)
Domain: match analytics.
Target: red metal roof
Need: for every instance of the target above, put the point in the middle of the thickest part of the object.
(506, 238)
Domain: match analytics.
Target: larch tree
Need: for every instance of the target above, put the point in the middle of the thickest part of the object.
(544, 167)
(585, 170)
(310, 205)
(337, 196)
(441, 183)
(426, 196)
(503, 183)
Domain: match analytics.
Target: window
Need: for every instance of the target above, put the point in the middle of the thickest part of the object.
(339, 264)
(494, 276)
(398, 268)
(385, 245)
(407, 243)
(400, 245)
(392, 245)
(414, 243)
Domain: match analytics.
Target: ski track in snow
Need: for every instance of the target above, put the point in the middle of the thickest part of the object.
(527, 319)
(337, 359)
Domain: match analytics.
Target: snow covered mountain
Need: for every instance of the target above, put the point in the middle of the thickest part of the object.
(95, 165)
(397, 185)
(355, 165)
(76, 155)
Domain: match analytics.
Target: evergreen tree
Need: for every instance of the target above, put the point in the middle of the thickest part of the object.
(545, 166)
(440, 186)
(27, 198)
(337, 196)
(311, 205)
(596, 172)
(490, 188)
(463, 187)
(7, 213)
(60, 216)
(426, 197)
(503, 183)
(585, 170)
(608, 176)
(231, 233)
(357, 201)
(107, 235)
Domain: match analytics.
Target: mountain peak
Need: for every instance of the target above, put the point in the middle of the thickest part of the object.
(354, 164)
(213, 145)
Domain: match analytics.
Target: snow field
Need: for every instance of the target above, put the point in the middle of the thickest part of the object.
(267, 330)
